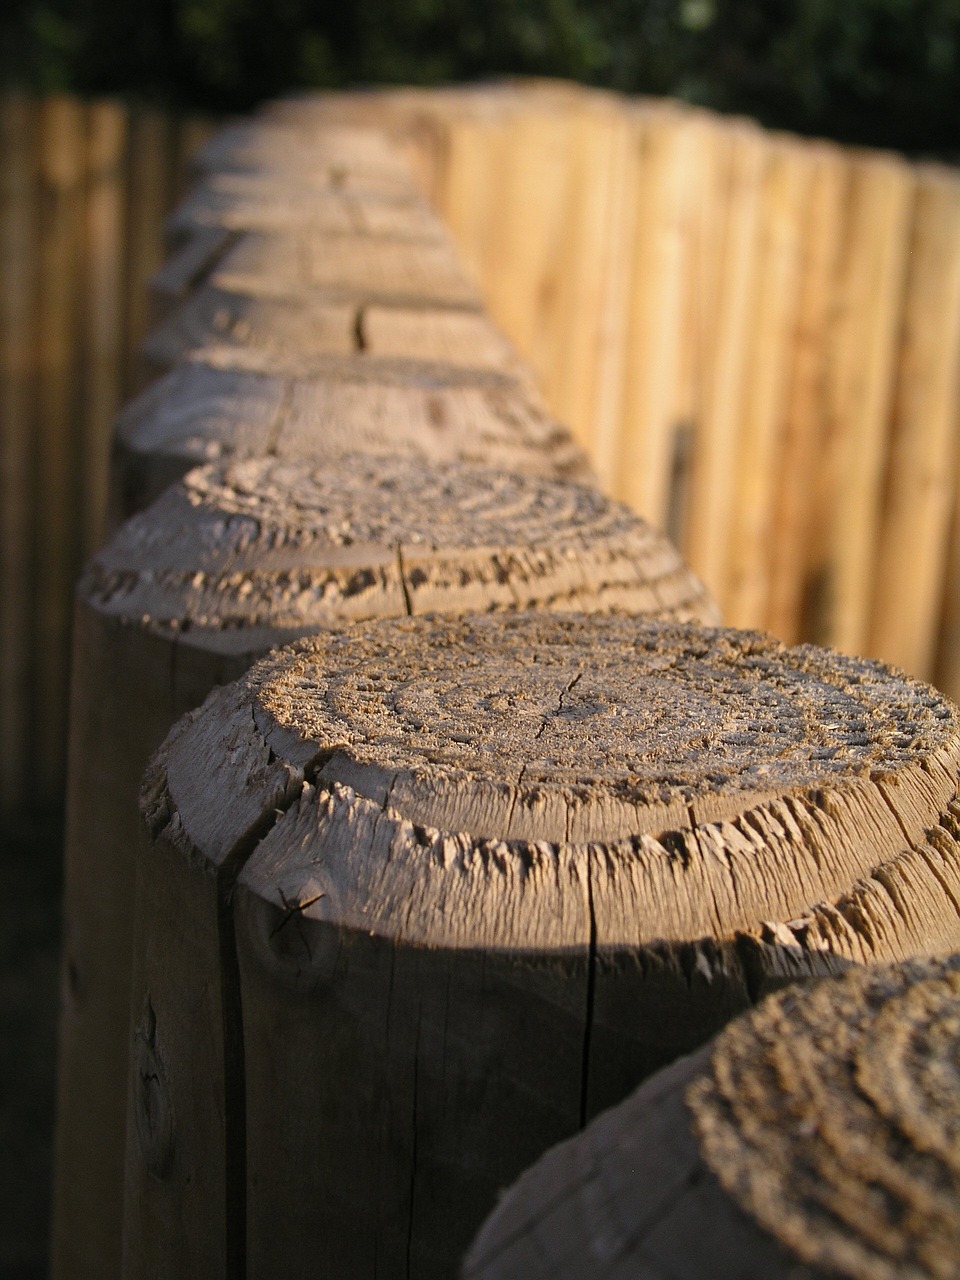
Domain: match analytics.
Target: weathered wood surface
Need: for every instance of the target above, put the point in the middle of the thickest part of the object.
(474, 879)
(209, 315)
(816, 1139)
(308, 262)
(223, 567)
(241, 202)
(230, 402)
(321, 157)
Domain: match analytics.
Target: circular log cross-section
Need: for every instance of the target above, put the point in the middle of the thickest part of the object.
(471, 880)
(324, 157)
(230, 403)
(230, 563)
(818, 1138)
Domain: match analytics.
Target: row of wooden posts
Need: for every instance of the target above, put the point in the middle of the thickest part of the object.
(509, 825)
(754, 336)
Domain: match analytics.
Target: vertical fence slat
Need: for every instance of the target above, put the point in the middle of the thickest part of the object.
(671, 164)
(149, 194)
(18, 208)
(526, 231)
(766, 369)
(805, 426)
(926, 414)
(103, 336)
(714, 464)
(593, 281)
(62, 127)
(860, 385)
(605, 408)
(464, 201)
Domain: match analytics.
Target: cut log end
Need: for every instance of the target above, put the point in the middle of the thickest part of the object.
(651, 717)
(833, 1120)
(289, 546)
(705, 783)
(819, 1140)
(227, 403)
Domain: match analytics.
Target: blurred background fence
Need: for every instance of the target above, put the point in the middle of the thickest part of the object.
(756, 336)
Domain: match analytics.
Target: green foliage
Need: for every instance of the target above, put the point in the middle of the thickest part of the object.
(878, 71)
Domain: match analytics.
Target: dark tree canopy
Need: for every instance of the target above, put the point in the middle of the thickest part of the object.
(884, 72)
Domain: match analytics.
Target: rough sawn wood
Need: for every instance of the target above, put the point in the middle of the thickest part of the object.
(817, 1138)
(473, 879)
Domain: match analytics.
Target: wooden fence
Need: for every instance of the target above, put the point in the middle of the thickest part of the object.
(757, 337)
(85, 191)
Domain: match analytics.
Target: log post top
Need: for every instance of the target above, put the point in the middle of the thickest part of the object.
(526, 781)
(817, 1136)
(322, 156)
(210, 316)
(310, 261)
(291, 546)
(234, 402)
(833, 1118)
(276, 202)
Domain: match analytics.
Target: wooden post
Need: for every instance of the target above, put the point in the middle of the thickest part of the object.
(416, 906)
(185, 596)
(355, 159)
(227, 402)
(273, 326)
(768, 1155)
(381, 270)
(241, 202)
(18, 374)
(208, 315)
